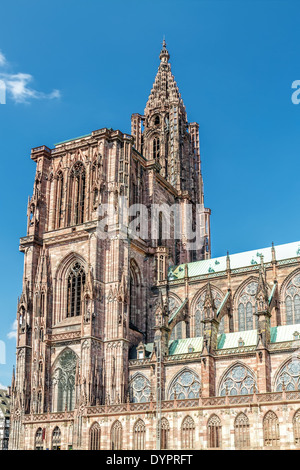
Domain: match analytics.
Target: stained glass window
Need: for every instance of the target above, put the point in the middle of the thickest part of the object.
(296, 427)
(95, 435)
(177, 332)
(185, 385)
(214, 429)
(238, 381)
(116, 436)
(241, 432)
(139, 435)
(39, 443)
(247, 306)
(292, 301)
(271, 429)
(63, 381)
(289, 376)
(165, 430)
(188, 433)
(199, 313)
(76, 202)
(139, 389)
(56, 439)
(76, 283)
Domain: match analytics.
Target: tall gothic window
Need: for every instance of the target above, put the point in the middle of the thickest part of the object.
(165, 432)
(39, 443)
(214, 430)
(76, 203)
(271, 429)
(177, 331)
(185, 385)
(116, 436)
(56, 439)
(296, 428)
(239, 380)
(292, 301)
(76, 282)
(247, 306)
(199, 312)
(139, 389)
(139, 433)
(289, 376)
(59, 199)
(135, 295)
(155, 149)
(63, 381)
(241, 432)
(95, 437)
(188, 433)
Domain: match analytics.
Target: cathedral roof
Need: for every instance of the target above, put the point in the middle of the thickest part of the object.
(279, 334)
(238, 260)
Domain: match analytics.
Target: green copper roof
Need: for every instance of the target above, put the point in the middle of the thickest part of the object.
(177, 311)
(279, 334)
(238, 260)
(75, 138)
(181, 346)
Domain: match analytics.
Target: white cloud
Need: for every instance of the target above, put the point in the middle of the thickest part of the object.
(17, 85)
(3, 387)
(13, 333)
(2, 59)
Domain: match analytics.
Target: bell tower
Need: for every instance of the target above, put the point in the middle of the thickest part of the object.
(164, 137)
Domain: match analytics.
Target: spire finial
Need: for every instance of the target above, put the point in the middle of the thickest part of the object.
(164, 54)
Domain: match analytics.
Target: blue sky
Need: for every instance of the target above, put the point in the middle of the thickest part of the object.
(72, 67)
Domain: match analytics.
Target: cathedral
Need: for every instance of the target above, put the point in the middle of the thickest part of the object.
(147, 342)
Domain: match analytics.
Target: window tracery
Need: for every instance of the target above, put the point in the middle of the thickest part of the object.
(76, 282)
(185, 385)
(238, 380)
(292, 301)
(63, 381)
(188, 433)
(140, 389)
(247, 305)
(289, 376)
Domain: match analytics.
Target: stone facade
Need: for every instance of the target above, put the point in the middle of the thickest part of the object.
(4, 418)
(138, 342)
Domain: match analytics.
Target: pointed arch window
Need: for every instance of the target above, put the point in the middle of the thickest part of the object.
(76, 204)
(135, 295)
(63, 381)
(139, 435)
(39, 441)
(214, 429)
(139, 389)
(239, 380)
(116, 436)
(59, 199)
(241, 432)
(292, 301)
(247, 305)
(76, 283)
(165, 432)
(185, 385)
(199, 311)
(188, 433)
(95, 437)
(56, 439)
(271, 430)
(289, 376)
(296, 428)
(155, 148)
